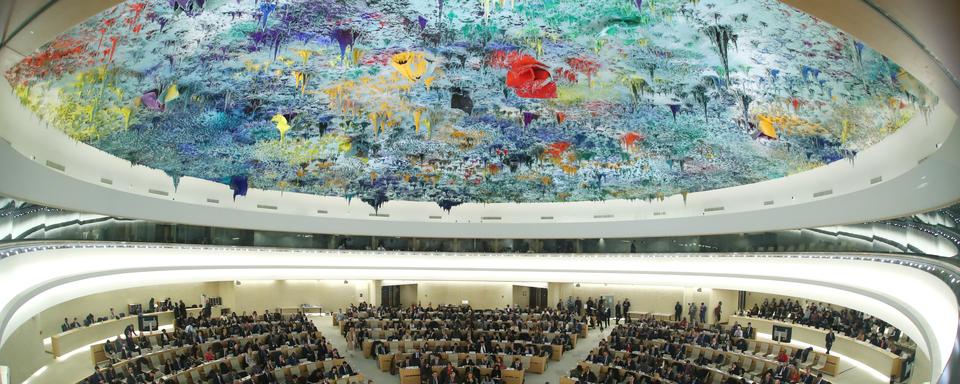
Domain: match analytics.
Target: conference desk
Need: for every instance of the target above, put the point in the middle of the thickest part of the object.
(409, 375)
(882, 360)
(655, 315)
(509, 375)
(431, 344)
(308, 309)
(65, 342)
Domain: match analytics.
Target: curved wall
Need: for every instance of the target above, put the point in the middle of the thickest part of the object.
(918, 302)
(918, 161)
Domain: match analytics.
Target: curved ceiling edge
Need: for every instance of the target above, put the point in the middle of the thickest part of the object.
(49, 187)
(930, 320)
(618, 219)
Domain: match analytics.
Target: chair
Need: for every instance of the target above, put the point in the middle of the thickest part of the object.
(811, 361)
(155, 360)
(773, 353)
(757, 368)
(195, 376)
(818, 366)
(728, 361)
(281, 378)
(596, 369)
(715, 378)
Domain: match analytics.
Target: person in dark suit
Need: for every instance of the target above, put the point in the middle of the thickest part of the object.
(820, 380)
(381, 349)
(677, 311)
(434, 379)
(829, 339)
(626, 310)
(344, 369)
(97, 377)
(129, 377)
(782, 372)
(214, 378)
(736, 370)
(65, 326)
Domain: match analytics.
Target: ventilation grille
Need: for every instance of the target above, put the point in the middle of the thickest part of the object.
(158, 192)
(768, 202)
(876, 180)
(713, 209)
(264, 206)
(213, 201)
(823, 193)
(106, 181)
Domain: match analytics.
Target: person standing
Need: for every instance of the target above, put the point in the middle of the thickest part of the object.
(830, 338)
(618, 312)
(626, 310)
(703, 312)
(677, 310)
(606, 315)
(717, 311)
(692, 312)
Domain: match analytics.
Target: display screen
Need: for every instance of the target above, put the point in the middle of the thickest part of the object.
(781, 333)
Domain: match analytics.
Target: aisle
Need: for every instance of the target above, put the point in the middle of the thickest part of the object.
(368, 367)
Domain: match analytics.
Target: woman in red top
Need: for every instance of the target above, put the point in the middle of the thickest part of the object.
(208, 356)
(782, 357)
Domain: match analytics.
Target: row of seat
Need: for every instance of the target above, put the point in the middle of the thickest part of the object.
(159, 357)
(284, 375)
(533, 364)
(753, 364)
(99, 354)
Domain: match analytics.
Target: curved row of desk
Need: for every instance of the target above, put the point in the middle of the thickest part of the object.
(880, 359)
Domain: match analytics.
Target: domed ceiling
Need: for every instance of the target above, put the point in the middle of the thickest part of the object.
(469, 101)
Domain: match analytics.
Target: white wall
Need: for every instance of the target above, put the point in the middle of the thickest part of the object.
(257, 295)
(521, 296)
(408, 295)
(99, 304)
(480, 294)
(729, 299)
(23, 353)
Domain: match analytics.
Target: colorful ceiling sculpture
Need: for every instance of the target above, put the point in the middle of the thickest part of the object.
(472, 100)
